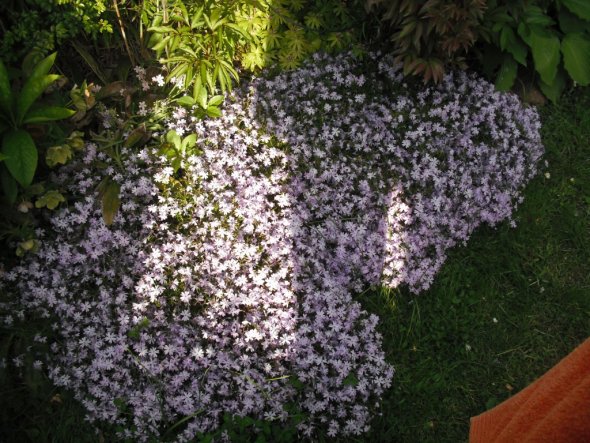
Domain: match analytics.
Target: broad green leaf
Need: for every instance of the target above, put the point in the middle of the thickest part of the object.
(201, 97)
(43, 114)
(507, 74)
(579, 7)
(216, 100)
(3, 157)
(534, 15)
(186, 101)
(525, 32)
(555, 89)
(58, 155)
(33, 88)
(511, 43)
(9, 185)
(21, 151)
(110, 202)
(50, 200)
(44, 66)
(174, 138)
(568, 22)
(576, 57)
(161, 44)
(5, 91)
(213, 111)
(188, 142)
(545, 48)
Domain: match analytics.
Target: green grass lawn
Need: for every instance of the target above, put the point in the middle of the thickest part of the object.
(502, 311)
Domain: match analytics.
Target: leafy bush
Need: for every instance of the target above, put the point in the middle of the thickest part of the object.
(429, 36)
(224, 282)
(551, 37)
(38, 27)
(17, 110)
(205, 43)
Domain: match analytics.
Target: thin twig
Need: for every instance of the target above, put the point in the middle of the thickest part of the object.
(122, 29)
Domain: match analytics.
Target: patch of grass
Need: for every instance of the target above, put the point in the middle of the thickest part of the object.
(503, 310)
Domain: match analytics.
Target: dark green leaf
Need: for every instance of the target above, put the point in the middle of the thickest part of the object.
(511, 43)
(545, 48)
(568, 22)
(576, 57)
(21, 151)
(533, 15)
(579, 7)
(42, 114)
(350, 380)
(525, 33)
(507, 74)
(33, 88)
(555, 89)
(5, 91)
(44, 66)
(9, 185)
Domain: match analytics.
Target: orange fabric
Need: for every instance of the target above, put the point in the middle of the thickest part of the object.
(554, 409)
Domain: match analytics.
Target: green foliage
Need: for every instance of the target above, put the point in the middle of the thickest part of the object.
(428, 36)
(176, 149)
(37, 27)
(549, 39)
(203, 44)
(251, 430)
(50, 200)
(17, 110)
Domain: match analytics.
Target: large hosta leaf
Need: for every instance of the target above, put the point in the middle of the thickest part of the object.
(579, 7)
(507, 74)
(576, 57)
(554, 90)
(545, 48)
(21, 153)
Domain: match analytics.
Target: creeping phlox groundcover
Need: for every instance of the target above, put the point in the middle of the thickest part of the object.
(227, 287)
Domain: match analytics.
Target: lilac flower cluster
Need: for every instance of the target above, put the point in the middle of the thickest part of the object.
(226, 287)
(388, 179)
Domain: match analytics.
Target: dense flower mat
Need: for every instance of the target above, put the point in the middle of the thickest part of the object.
(226, 287)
